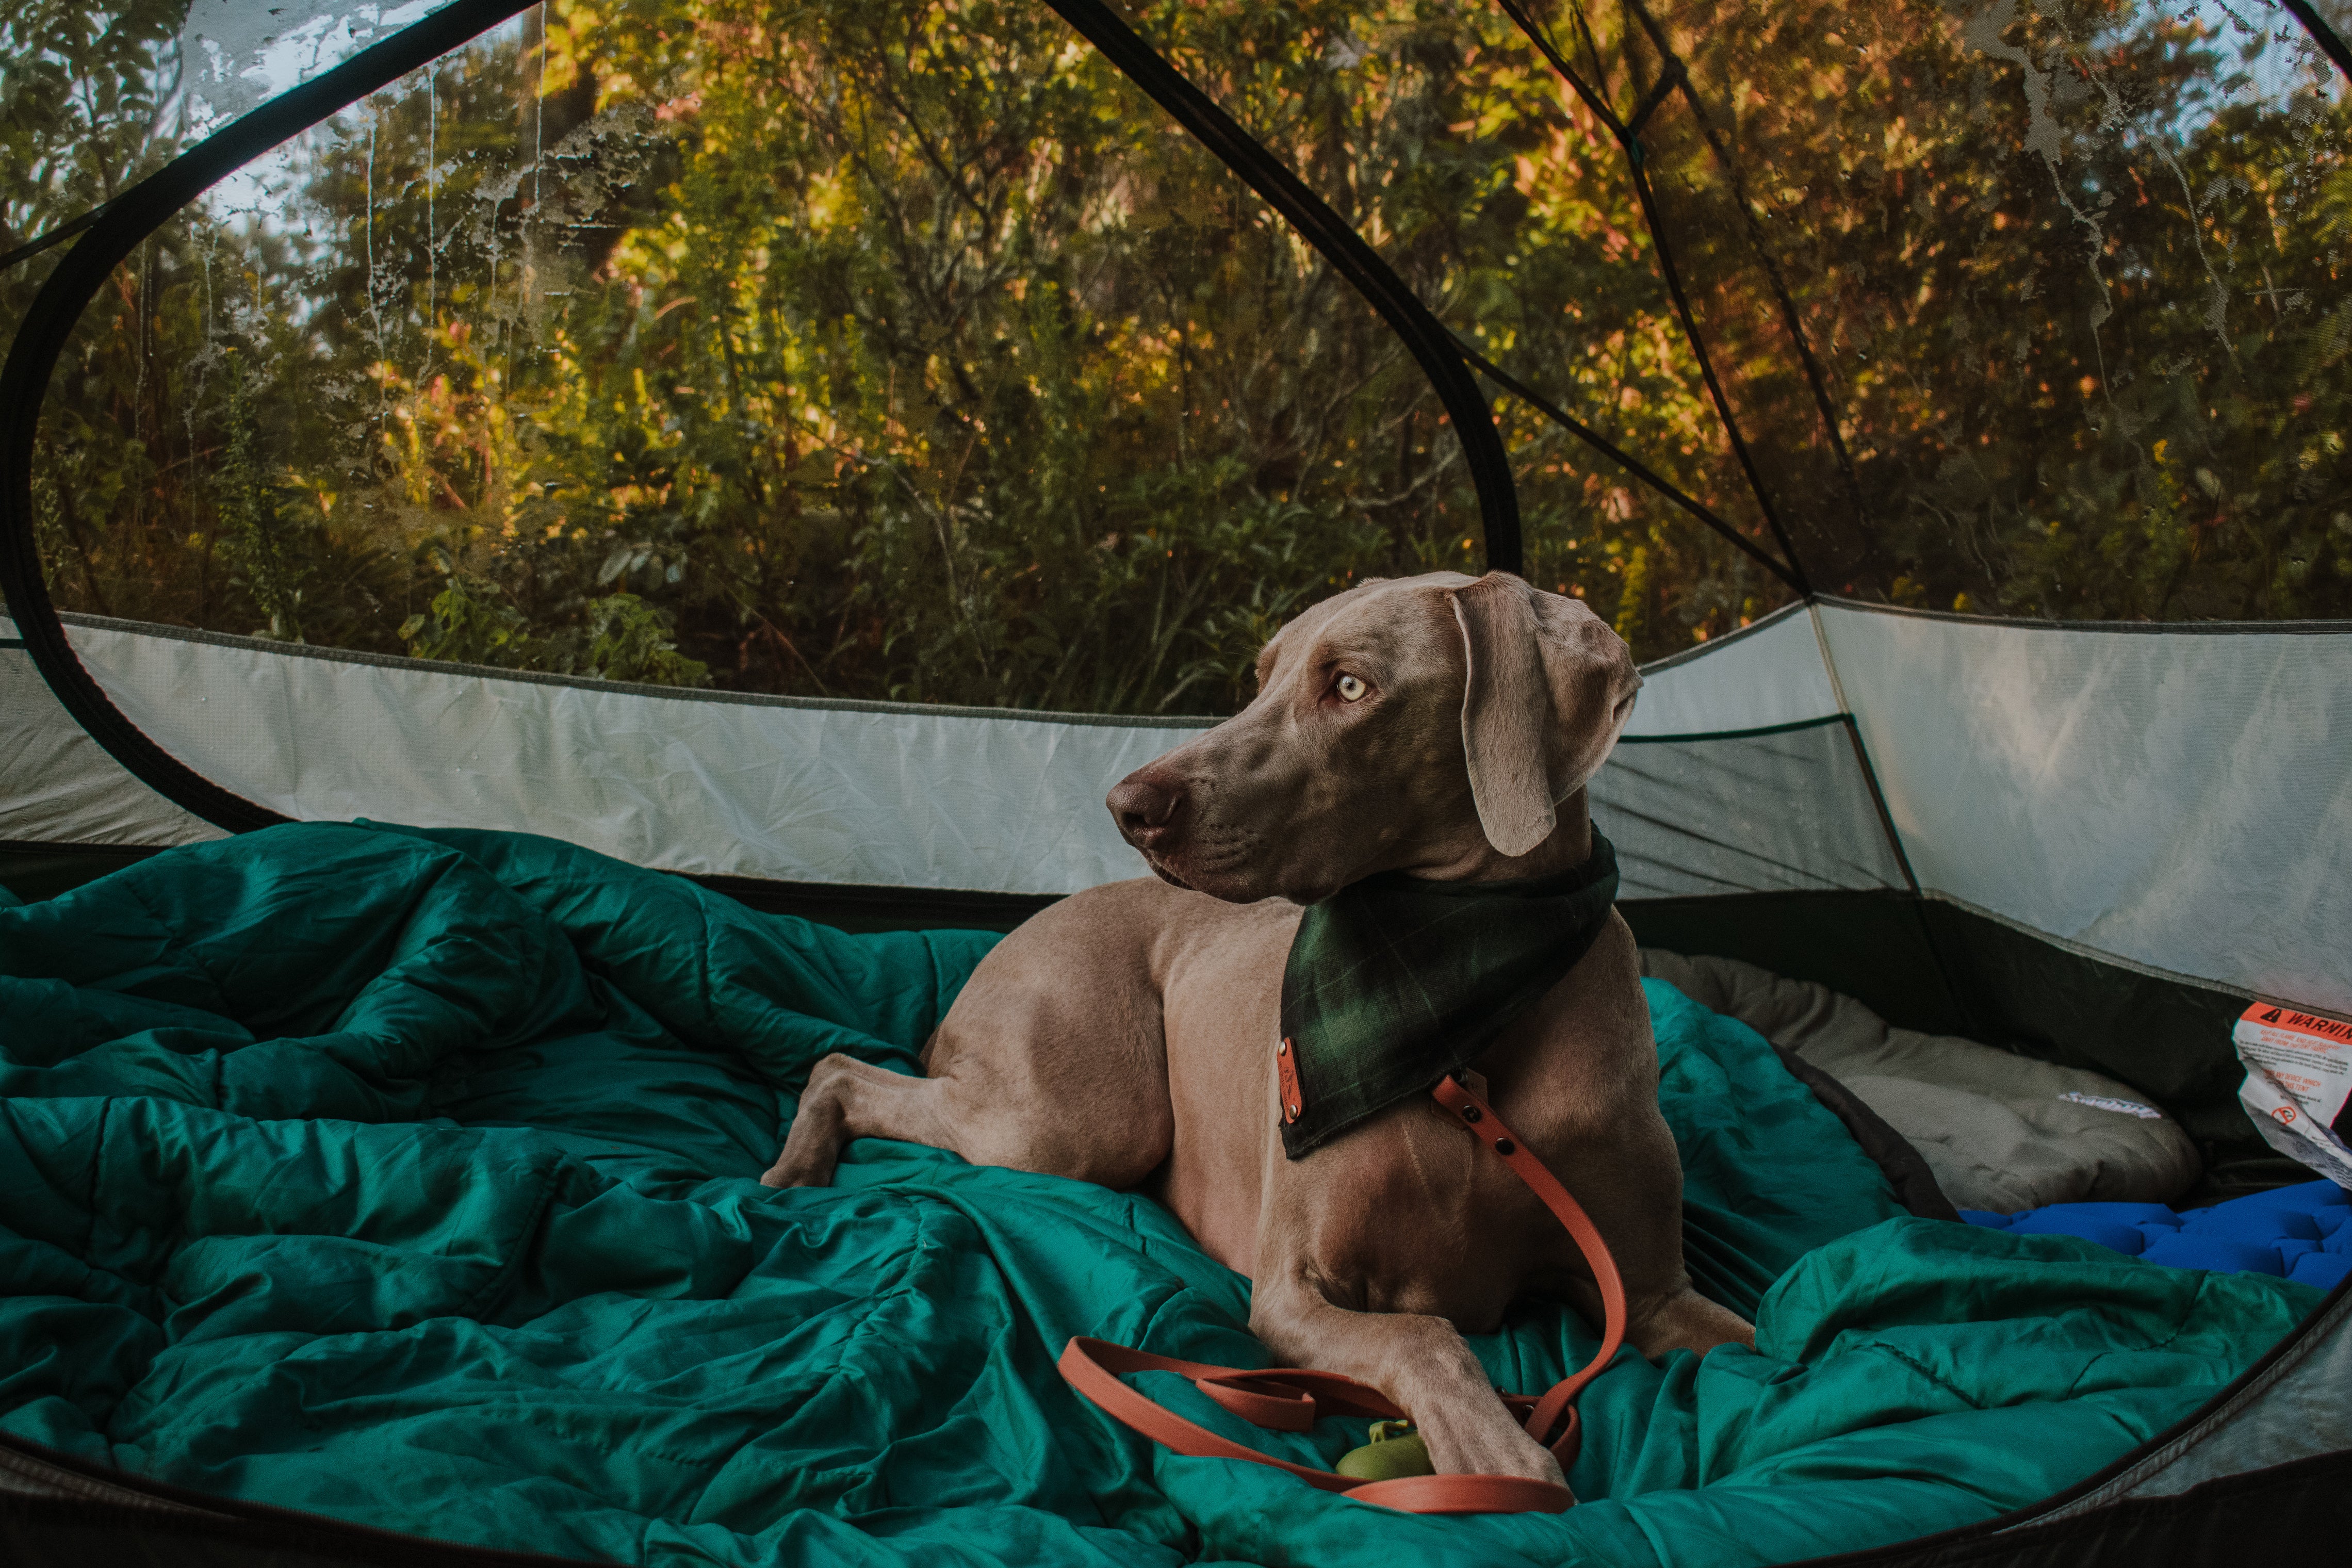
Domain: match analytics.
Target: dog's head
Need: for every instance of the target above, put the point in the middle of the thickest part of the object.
(1428, 723)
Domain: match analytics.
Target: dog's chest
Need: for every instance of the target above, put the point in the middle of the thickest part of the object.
(1407, 1213)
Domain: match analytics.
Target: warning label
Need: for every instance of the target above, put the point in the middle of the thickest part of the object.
(2298, 1080)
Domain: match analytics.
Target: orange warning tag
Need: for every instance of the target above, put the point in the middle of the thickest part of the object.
(2298, 1077)
(2295, 1022)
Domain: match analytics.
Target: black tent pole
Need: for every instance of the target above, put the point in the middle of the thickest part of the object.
(2321, 34)
(1431, 345)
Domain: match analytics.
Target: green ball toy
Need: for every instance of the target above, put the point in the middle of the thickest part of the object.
(1396, 1450)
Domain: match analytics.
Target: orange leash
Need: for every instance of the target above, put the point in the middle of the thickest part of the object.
(1290, 1398)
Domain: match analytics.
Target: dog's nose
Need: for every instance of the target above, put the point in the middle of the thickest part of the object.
(1146, 808)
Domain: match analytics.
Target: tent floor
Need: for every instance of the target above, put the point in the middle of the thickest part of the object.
(2301, 1510)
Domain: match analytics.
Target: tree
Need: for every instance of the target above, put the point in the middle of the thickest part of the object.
(901, 349)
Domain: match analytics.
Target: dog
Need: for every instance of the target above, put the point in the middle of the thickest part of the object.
(1443, 726)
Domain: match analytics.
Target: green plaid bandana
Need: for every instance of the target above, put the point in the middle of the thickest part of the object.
(1397, 981)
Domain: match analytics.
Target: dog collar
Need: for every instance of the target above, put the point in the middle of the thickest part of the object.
(1395, 981)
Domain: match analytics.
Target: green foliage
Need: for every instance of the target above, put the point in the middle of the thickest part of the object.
(470, 622)
(620, 638)
(629, 639)
(260, 539)
(1633, 595)
(900, 349)
(86, 107)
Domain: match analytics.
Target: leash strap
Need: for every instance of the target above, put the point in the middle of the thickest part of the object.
(1291, 1399)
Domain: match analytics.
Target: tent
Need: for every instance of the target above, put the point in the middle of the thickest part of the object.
(2093, 838)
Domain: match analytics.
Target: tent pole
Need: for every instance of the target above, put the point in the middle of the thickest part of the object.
(1432, 346)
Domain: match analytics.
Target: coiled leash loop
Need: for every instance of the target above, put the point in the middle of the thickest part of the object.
(1291, 1399)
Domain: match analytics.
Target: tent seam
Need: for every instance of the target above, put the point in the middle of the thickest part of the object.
(636, 689)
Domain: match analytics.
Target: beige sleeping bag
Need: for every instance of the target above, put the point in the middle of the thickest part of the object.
(2000, 1132)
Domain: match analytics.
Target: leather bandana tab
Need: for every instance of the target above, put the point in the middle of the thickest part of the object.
(1396, 982)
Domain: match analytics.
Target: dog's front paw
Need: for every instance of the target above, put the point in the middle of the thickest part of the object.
(812, 1142)
(796, 1168)
(807, 1160)
(1463, 1443)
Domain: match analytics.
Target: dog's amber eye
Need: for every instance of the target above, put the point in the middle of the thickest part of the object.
(1351, 690)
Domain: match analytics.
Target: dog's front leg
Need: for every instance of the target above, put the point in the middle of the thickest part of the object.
(1420, 1361)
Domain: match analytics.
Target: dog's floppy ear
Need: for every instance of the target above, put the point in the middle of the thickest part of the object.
(1547, 688)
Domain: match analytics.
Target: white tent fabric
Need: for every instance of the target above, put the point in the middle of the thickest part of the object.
(2175, 798)
(57, 787)
(1783, 810)
(1767, 674)
(873, 794)
(1727, 780)
(795, 791)
(2178, 797)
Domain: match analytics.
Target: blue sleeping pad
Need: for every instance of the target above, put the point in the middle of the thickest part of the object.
(2301, 1233)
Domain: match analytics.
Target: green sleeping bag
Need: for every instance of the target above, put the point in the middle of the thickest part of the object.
(410, 1178)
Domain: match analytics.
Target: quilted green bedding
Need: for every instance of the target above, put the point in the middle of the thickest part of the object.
(410, 1178)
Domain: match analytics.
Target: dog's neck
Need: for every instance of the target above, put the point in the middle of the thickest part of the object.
(1470, 858)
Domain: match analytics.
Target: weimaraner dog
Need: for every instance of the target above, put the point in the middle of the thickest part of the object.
(1443, 726)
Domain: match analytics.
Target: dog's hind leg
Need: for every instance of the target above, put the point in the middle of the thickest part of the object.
(848, 1099)
(1054, 1058)
(983, 1112)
